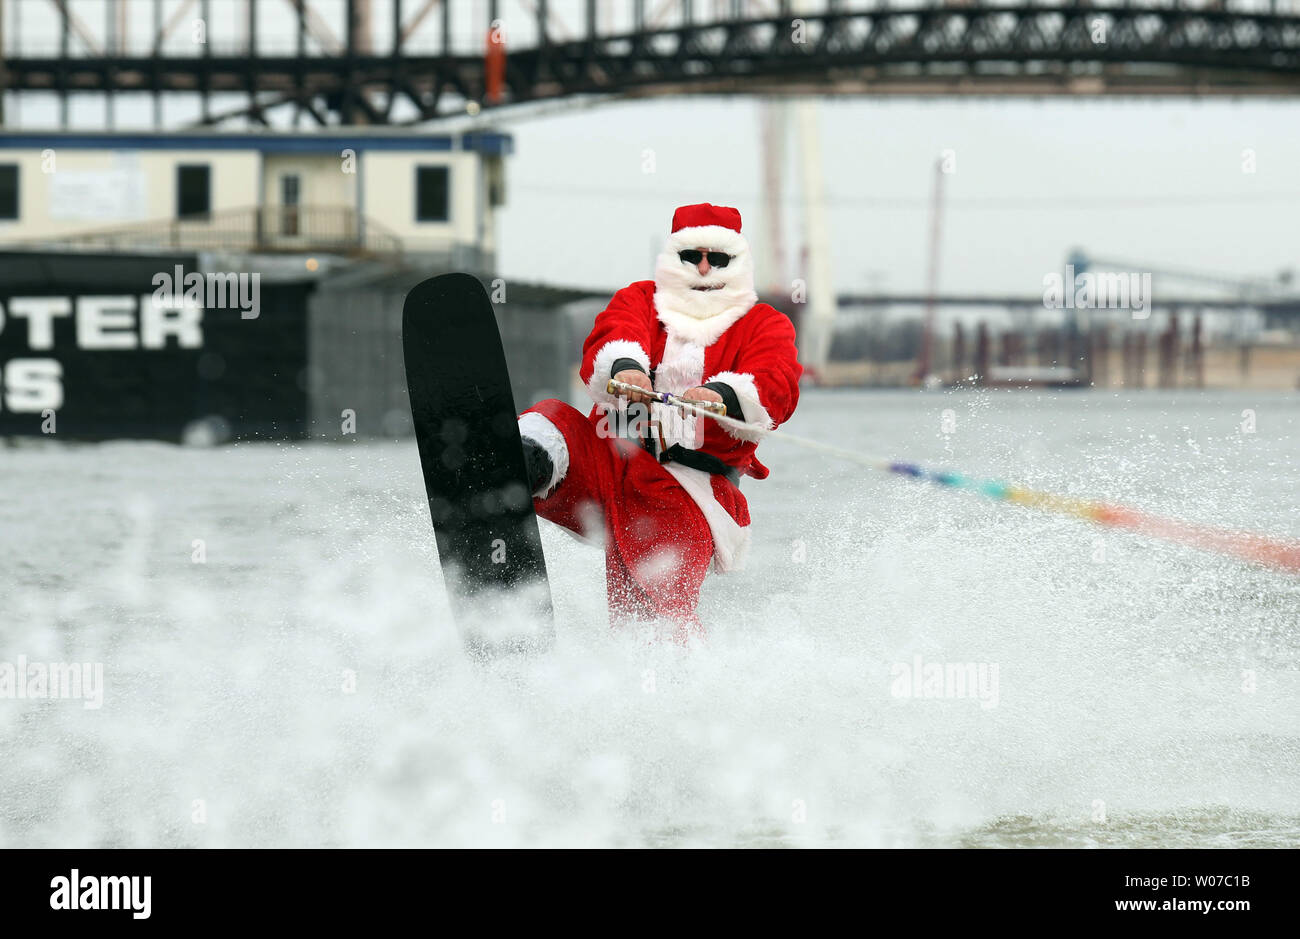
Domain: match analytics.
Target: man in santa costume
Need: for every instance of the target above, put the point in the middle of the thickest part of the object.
(669, 504)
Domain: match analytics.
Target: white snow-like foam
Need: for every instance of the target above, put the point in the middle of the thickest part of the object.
(305, 686)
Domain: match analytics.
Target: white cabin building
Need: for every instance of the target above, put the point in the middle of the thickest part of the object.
(351, 191)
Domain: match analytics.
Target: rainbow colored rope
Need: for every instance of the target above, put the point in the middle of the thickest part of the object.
(1261, 549)
(1275, 552)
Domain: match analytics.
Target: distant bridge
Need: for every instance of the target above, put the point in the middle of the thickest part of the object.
(414, 61)
(1278, 309)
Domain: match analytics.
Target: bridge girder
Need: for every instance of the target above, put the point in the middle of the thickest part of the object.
(923, 50)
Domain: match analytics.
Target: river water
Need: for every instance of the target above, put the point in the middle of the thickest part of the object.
(279, 667)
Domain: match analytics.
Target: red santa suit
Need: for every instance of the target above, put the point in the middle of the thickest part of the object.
(664, 523)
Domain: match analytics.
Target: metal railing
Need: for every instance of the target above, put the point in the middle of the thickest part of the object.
(262, 229)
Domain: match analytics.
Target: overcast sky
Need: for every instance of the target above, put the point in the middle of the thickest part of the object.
(1159, 182)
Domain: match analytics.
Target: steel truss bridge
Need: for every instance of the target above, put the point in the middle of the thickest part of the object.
(415, 61)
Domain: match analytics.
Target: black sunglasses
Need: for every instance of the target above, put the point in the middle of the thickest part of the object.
(716, 258)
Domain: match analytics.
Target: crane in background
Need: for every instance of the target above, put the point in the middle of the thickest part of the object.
(924, 370)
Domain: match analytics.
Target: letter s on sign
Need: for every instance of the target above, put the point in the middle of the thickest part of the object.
(33, 385)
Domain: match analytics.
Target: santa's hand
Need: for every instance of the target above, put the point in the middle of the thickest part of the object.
(630, 376)
(701, 394)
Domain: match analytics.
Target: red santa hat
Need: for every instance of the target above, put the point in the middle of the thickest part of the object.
(704, 225)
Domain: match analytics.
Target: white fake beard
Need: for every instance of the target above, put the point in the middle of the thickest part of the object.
(675, 281)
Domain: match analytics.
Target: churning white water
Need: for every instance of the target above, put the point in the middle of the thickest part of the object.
(304, 685)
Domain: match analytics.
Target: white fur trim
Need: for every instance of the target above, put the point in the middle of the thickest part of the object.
(702, 316)
(710, 237)
(750, 407)
(730, 540)
(606, 356)
(682, 366)
(705, 332)
(539, 429)
(680, 369)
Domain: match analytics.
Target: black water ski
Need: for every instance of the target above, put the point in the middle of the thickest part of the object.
(474, 471)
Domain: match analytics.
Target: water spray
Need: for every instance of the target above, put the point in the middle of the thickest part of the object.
(1280, 553)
